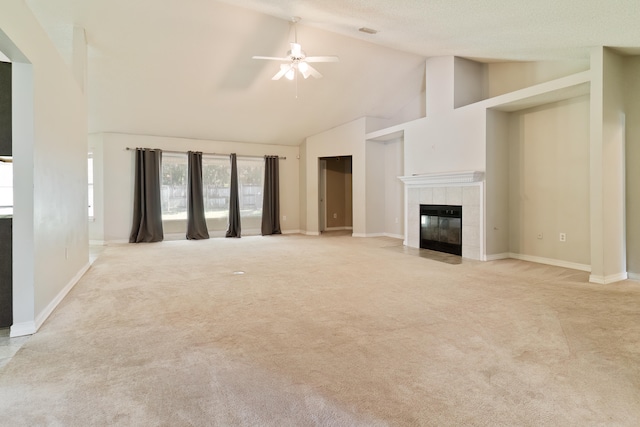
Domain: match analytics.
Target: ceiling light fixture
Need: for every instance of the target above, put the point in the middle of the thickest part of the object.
(297, 59)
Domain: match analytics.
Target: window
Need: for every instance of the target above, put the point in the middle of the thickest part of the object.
(90, 181)
(250, 188)
(174, 186)
(6, 186)
(216, 183)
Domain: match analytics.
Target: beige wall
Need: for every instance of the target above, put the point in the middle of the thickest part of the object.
(549, 181)
(505, 77)
(497, 183)
(632, 102)
(375, 194)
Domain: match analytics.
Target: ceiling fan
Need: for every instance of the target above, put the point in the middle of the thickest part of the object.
(297, 60)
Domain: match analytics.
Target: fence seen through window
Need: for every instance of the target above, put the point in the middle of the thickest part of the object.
(216, 183)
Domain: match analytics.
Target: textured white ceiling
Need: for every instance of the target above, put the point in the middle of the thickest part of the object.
(184, 68)
(492, 29)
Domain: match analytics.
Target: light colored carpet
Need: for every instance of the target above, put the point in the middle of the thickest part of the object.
(327, 331)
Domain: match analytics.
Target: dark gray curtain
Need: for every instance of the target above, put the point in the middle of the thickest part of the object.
(271, 197)
(234, 203)
(147, 210)
(196, 222)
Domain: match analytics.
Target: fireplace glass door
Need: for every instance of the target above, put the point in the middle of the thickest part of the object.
(441, 228)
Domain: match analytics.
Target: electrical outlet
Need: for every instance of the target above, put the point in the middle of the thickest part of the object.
(563, 237)
(540, 236)
(284, 217)
(335, 215)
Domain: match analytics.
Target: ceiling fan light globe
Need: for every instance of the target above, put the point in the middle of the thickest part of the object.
(290, 74)
(303, 67)
(296, 50)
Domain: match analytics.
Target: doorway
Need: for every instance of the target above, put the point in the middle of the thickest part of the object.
(335, 192)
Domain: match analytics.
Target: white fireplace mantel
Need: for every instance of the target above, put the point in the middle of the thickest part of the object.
(445, 178)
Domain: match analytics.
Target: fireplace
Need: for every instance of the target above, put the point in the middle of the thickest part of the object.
(464, 188)
(441, 228)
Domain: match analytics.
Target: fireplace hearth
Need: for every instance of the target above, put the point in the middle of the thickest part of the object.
(441, 228)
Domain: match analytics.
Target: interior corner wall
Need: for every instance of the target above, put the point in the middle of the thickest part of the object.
(344, 140)
(497, 183)
(505, 77)
(96, 225)
(632, 103)
(393, 188)
(302, 179)
(549, 191)
(470, 82)
(348, 193)
(375, 188)
(439, 77)
(50, 170)
(613, 159)
(607, 143)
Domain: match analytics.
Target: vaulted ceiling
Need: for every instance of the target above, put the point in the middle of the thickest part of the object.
(184, 68)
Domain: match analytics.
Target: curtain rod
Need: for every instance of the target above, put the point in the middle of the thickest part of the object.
(210, 154)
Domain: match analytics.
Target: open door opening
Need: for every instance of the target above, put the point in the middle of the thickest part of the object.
(335, 193)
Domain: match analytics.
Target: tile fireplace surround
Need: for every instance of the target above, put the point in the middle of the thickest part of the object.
(464, 189)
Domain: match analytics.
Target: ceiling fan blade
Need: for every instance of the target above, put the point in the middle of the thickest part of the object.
(270, 58)
(283, 70)
(312, 72)
(322, 59)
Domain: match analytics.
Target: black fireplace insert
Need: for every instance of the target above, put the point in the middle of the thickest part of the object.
(441, 228)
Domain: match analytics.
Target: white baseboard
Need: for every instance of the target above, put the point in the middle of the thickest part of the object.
(311, 233)
(605, 280)
(31, 327)
(633, 276)
(44, 314)
(549, 261)
(22, 329)
(290, 231)
(97, 242)
(116, 242)
(338, 228)
(495, 257)
(394, 236)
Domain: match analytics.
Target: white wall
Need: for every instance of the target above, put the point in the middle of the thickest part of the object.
(607, 121)
(50, 153)
(394, 189)
(96, 224)
(345, 140)
(454, 141)
(119, 166)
